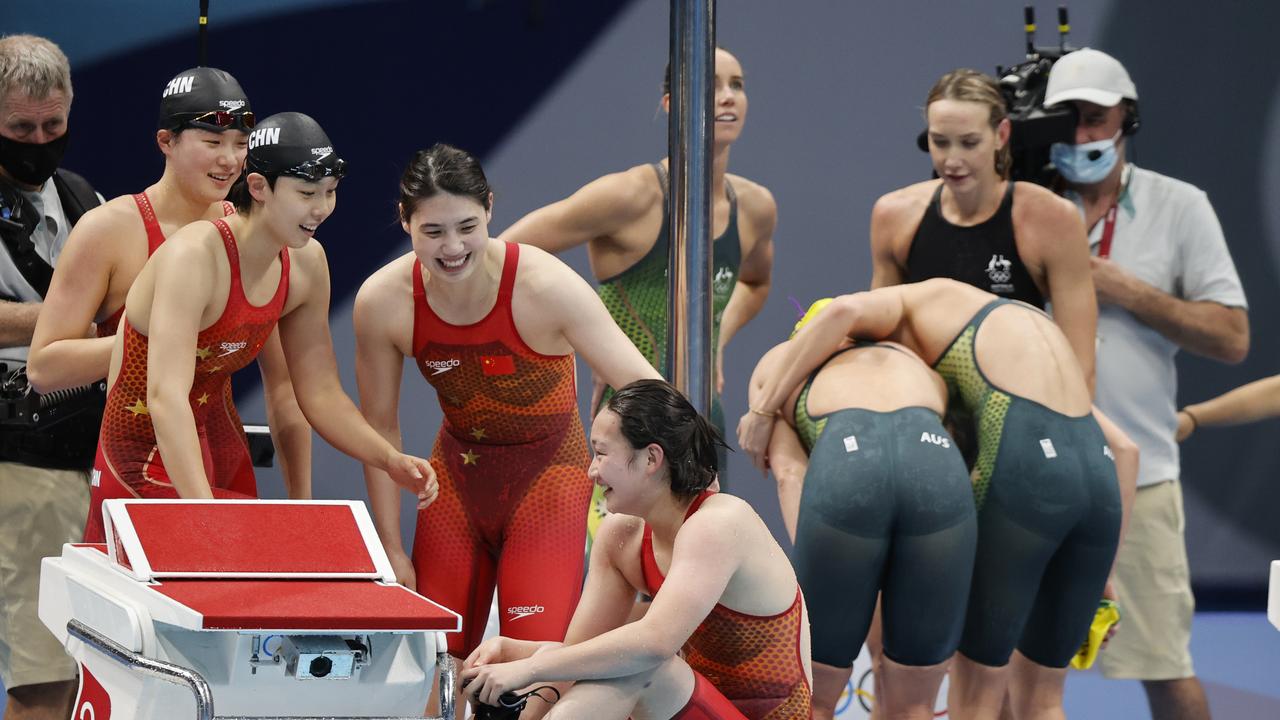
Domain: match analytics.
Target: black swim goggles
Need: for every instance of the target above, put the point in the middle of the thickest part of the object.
(315, 171)
(218, 120)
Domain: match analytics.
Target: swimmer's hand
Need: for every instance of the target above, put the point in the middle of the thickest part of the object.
(1109, 593)
(402, 566)
(484, 683)
(415, 475)
(754, 431)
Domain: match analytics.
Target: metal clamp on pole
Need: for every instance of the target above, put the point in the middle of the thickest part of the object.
(690, 134)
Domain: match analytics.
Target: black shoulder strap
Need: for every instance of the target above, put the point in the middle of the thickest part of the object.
(77, 195)
(77, 198)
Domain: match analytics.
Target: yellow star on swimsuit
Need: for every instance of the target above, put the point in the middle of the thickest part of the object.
(469, 458)
(204, 353)
(478, 433)
(203, 399)
(139, 408)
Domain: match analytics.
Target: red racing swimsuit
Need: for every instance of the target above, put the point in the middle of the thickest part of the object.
(232, 466)
(511, 460)
(745, 666)
(128, 463)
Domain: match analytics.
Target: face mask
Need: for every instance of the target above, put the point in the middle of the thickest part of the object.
(1087, 163)
(32, 163)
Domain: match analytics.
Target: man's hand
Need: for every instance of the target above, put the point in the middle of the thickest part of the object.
(1113, 284)
(1185, 426)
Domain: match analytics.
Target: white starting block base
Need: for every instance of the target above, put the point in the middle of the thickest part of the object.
(1273, 595)
(171, 627)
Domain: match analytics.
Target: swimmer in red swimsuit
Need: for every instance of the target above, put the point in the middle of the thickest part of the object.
(494, 327)
(203, 306)
(727, 635)
(205, 120)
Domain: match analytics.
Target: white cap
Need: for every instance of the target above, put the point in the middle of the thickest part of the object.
(1089, 75)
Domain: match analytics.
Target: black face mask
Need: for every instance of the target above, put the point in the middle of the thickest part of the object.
(32, 163)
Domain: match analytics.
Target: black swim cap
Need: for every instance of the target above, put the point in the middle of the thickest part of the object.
(293, 144)
(198, 95)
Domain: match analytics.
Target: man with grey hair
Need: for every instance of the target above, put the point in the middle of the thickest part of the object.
(1165, 282)
(44, 483)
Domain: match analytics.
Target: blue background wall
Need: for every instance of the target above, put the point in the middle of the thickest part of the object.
(552, 94)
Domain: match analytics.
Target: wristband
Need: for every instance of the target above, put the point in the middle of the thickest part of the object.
(1195, 424)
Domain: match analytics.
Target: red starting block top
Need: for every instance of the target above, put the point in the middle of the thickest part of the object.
(258, 538)
(307, 605)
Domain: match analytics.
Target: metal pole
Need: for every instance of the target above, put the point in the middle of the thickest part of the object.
(690, 135)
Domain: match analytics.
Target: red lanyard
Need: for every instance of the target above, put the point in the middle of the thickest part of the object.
(1108, 230)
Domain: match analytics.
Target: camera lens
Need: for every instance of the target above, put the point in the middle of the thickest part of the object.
(320, 666)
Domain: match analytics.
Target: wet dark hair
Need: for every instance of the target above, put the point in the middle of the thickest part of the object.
(239, 192)
(666, 75)
(442, 168)
(654, 412)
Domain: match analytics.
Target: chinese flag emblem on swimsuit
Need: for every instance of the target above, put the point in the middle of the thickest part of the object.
(498, 364)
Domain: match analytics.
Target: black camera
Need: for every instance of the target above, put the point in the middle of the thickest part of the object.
(508, 708)
(55, 430)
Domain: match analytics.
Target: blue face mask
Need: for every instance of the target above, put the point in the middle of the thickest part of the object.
(1087, 163)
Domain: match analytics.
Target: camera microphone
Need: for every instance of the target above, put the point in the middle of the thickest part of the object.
(1093, 155)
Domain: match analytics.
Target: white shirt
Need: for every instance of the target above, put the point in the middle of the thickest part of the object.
(49, 237)
(1167, 235)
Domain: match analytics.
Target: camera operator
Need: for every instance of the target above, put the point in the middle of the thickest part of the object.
(1165, 281)
(44, 489)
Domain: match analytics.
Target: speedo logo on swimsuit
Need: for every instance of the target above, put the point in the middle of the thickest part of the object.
(520, 611)
(939, 440)
(231, 104)
(441, 366)
(230, 347)
(264, 136)
(179, 85)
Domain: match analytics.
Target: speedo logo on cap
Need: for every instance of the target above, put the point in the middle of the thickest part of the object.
(231, 104)
(322, 151)
(264, 136)
(179, 85)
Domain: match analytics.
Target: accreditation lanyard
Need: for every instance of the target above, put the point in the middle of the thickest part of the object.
(1108, 231)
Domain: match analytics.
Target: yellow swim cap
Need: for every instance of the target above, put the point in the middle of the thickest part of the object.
(810, 314)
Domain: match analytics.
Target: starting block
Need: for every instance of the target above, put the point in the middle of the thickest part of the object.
(262, 609)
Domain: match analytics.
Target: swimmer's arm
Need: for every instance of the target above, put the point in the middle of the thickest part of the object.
(179, 299)
(885, 270)
(754, 276)
(1059, 242)
(1126, 454)
(290, 431)
(308, 348)
(598, 210)
(870, 315)
(592, 332)
(703, 561)
(379, 369)
(789, 463)
(62, 352)
(1255, 401)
